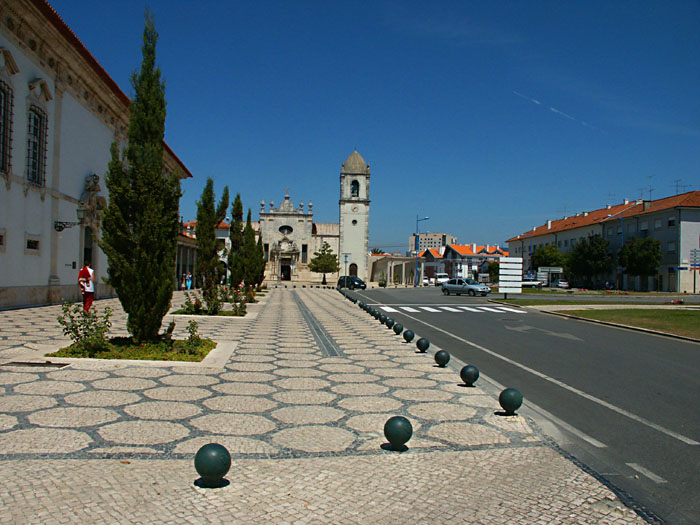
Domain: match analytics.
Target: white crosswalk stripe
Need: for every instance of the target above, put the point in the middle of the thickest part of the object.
(458, 309)
(506, 309)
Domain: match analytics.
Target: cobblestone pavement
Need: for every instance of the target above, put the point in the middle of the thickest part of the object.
(113, 442)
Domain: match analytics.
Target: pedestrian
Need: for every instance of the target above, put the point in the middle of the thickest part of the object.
(188, 280)
(183, 281)
(86, 281)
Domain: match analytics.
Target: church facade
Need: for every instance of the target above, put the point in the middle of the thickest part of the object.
(291, 237)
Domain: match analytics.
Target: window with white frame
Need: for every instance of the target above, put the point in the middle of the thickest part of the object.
(36, 145)
(32, 244)
(643, 226)
(671, 221)
(5, 126)
(671, 247)
(657, 224)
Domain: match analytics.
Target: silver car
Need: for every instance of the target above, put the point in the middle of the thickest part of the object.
(468, 286)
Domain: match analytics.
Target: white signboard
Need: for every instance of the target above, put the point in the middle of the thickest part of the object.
(510, 274)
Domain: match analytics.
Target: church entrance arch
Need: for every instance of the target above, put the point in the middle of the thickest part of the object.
(353, 269)
(286, 270)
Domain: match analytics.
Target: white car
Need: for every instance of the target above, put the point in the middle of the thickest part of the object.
(559, 283)
(441, 278)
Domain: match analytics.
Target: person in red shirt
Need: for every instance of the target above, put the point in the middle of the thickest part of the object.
(87, 285)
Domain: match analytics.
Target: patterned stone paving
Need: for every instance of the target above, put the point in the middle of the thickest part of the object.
(304, 431)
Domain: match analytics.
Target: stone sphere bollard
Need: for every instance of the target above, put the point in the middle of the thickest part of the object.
(510, 400)
(382, 318)
(212, 462)
(408, 335)
(398, 430)
(442, 358)
(389, 322)
(398, 328)
(423, 344)
(469, 374)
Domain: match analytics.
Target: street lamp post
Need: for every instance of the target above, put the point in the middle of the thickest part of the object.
(415, 280)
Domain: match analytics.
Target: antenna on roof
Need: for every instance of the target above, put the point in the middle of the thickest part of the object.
(650, 188)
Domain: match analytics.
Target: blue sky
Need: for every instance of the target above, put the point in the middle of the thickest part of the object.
(488, 117)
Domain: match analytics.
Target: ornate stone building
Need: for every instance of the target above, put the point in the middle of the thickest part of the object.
(59, 113)
(291, 237)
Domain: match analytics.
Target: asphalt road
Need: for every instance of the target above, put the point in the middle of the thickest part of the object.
(622, 402)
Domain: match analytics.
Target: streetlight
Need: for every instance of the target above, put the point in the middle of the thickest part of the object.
(415, 280)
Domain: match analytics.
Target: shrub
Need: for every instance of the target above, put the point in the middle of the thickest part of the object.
(86, 329)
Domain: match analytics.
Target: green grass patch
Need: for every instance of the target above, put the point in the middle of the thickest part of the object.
(125, 348)
(678, 322)
(543, 302)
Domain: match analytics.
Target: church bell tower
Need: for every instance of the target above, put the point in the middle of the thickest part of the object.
(354, 217)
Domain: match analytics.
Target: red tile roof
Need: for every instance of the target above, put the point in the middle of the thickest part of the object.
(633, 208)
(55, 19)
(470, 249)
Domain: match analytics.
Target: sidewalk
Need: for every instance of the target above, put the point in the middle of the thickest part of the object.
(111, 442)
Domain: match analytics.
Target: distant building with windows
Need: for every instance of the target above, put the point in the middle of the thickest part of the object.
(59, 114)
(674, 221)
(427, 241)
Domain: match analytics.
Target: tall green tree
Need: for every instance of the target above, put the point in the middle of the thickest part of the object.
(235, 256)
(590, 258)
(324, 261)
(261, 261)
(641, 257)
(249, 252)
(140, 225)
(208, 218)
(547, 256)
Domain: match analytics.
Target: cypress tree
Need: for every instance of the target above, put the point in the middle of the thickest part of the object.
(235, 258)
(140, 226)
(250, 253)
(208, 218)
(261, 261)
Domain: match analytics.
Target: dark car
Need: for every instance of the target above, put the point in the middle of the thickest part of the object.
(351, 282)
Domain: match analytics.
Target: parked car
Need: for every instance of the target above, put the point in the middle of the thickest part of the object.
(426, 281)
(464, 286)
(441, 278)
(351, 282)
(559, 283)
(532, 283)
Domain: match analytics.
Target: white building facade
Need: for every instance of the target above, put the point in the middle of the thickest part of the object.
(291, 237)
(59, 114)
(674, 221)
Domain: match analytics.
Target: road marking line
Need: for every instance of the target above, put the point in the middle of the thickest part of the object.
(563, 385)
(487, 309)
(429, 309)
(549, 416)
(506, 309)
(450, 309)
(468, 309)
(388, 309)
(648, 473)
(409, 309)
